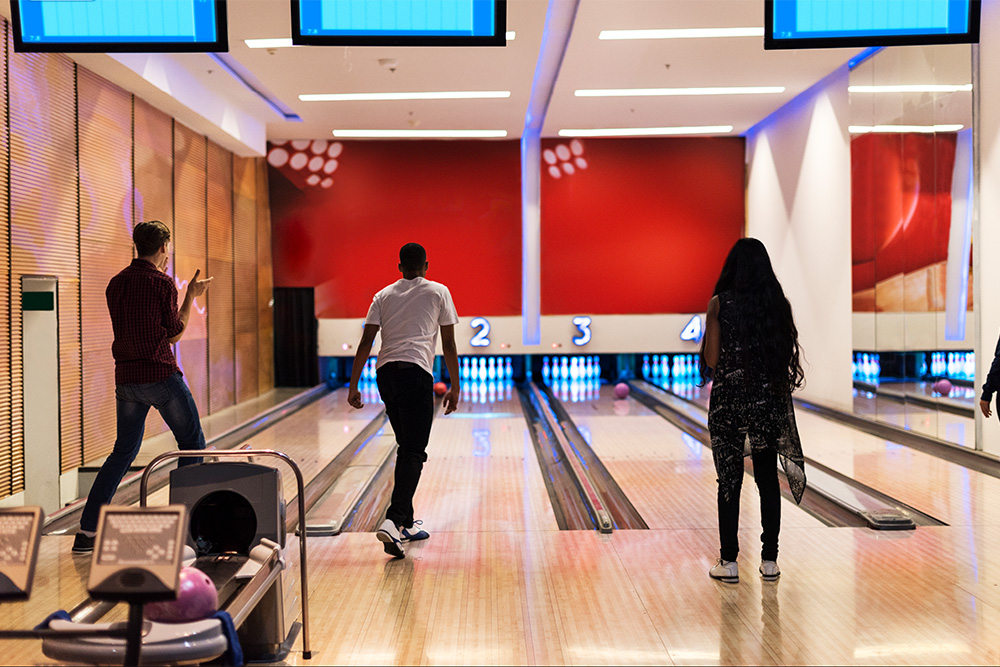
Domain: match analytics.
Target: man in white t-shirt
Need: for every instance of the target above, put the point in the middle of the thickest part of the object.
(409, 314)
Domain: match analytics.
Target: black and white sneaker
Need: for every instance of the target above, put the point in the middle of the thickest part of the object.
(83, 545)
(390, 538)
(414, 533)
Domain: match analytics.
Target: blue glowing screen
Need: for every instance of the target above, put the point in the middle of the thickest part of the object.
(192, 24)
(865, 23)
(423, 21)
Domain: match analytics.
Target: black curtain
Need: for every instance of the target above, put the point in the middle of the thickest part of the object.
(296, 351)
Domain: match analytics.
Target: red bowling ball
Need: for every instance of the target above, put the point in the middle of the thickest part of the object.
(621, 390)
(440, 388)
(196, 599)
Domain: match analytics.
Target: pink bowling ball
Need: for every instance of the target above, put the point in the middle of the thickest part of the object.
(621, 390)
(196, 599)
(942, 386)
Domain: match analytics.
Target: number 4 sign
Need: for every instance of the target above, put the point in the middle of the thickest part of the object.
(693, 330)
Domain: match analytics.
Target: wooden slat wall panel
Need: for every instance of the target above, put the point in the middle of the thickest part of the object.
(245, 276)
(190, 254)
(153, 164)
(44, 224)
(6, 441)
(265, 281)
(221, 340)
(105, 126)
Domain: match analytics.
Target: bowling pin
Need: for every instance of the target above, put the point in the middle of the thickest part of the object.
(545, 369)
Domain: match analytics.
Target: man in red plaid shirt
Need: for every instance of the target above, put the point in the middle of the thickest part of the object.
(142, 301)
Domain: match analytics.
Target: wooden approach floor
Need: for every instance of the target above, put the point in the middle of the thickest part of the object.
(498, 583)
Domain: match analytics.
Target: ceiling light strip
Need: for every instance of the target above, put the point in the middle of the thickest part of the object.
(646, 131)
(682, 33)
(286, 42)
(272, 43)
(654, 92)
(381, 97)
(420, 134)
(918, 88)
(864, 129)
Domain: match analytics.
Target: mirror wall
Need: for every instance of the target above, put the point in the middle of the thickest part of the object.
(911, 153)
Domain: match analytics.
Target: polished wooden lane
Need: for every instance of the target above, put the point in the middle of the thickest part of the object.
(499, 586)
(667, 475)
(482, 472)
(948, 426)
(945, 490)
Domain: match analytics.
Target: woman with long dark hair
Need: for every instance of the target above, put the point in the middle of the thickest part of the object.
(751, 352)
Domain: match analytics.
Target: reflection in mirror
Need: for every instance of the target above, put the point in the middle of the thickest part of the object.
(911, 180)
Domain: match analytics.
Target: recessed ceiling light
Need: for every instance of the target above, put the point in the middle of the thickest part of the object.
(864, 129)
(682, 33)
(924, 88)
(420, 134)
(276, 43)
(646, 131)
(650, 92)
(373, 97)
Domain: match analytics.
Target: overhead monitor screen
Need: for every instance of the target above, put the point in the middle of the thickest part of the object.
(104, 26)
(798, 24)
(398, 23)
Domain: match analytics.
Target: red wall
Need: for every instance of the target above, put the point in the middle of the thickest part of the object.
(461, 200)
(643, 227)
(900, 204)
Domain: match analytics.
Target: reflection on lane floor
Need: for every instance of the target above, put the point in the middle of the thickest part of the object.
(940, 424)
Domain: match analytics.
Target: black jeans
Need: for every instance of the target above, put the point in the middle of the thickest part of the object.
(408, 393)
(765, 474)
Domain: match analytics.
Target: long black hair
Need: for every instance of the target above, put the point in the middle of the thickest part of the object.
(762, 315)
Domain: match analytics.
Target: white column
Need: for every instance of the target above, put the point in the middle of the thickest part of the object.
(799, 206)
(40, 340)
(986, 226)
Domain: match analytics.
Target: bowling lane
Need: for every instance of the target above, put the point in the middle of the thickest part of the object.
(947, 491)
(482, 473)
(953, 428)
(667, 475)
(312, 437)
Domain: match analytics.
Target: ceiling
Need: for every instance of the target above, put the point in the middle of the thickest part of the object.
(284, 73)
(252, 102)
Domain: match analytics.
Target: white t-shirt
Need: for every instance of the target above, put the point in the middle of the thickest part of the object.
(409, 314)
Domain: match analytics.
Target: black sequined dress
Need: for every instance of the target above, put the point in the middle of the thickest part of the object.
(745, 415)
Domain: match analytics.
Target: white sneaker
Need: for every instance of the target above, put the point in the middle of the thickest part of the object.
(390, 538)
(769, 570)
(725, 570)
(415, 533)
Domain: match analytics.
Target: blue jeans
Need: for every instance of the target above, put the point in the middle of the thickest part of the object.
(172, 398)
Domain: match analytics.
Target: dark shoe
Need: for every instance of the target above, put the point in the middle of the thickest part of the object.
(414, 533)
(83, 545)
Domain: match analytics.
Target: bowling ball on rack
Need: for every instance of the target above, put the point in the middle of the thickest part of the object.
(942, 386)
(621, 390)
(440, 388)
(196, 599)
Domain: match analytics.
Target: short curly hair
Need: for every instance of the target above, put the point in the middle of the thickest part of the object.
(412, 257)
(149, 236)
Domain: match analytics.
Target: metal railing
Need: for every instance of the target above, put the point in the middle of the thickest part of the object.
(249, 454)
